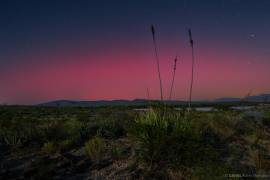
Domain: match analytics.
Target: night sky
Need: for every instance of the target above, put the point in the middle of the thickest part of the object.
(92, 50)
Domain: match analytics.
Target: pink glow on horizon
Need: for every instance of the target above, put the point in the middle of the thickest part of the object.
(126, 74)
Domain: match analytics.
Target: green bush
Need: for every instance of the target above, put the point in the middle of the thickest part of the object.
(95, 148)
(16, 132)
(49, 148)
(11, 138)
(58, 146)
(66, 145)
(57, 129)
(116, 151)
(167, 140)
(112, 124)
(15, 138)
(159, 134)
(266, 119)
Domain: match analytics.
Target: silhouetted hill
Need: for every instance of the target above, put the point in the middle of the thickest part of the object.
(227, 99)
(259, 98)
(135, 102)
(256, 98)
(93, 103)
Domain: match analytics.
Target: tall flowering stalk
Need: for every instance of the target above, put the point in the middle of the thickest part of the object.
(192, 68)
(157, 61)
(174, 69)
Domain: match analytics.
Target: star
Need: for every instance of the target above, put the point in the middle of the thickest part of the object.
(252, 35)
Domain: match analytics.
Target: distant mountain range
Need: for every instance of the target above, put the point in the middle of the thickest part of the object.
(135, 102)
(94, 103)
(257, 98)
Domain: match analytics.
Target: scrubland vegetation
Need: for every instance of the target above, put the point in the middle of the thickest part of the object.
(120, 143)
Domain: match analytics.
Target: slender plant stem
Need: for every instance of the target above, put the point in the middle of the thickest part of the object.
(148, 94)
(148, 97)
(174, 69)
(157, 61)
(192, 68)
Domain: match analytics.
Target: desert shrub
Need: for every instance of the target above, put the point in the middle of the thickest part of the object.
(87, 131)
(66, 144)
(113, 124)
(17, 131)
(95, 148)
(261, 158)
(49, 148)
(157, 136)
(83, 117)
(52, 147)
(266, 119)
(52, 129)
(116, 151)
(12, 138)
(15, 137)
(111, 128)
(167, 140)
(55, 129)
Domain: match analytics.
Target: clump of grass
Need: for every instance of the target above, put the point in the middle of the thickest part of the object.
(49, 148)
(116, 151)
(12, 138)
(166, 140)
(52, 147)
(266, 119)
(95, 148)
(16, 132)
(154, 132)
(66, 145)
(113, 126)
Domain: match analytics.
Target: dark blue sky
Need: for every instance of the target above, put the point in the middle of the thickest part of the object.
(30, 23)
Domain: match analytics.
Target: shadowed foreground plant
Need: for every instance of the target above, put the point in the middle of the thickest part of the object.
(167, 140)
(156, 135)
